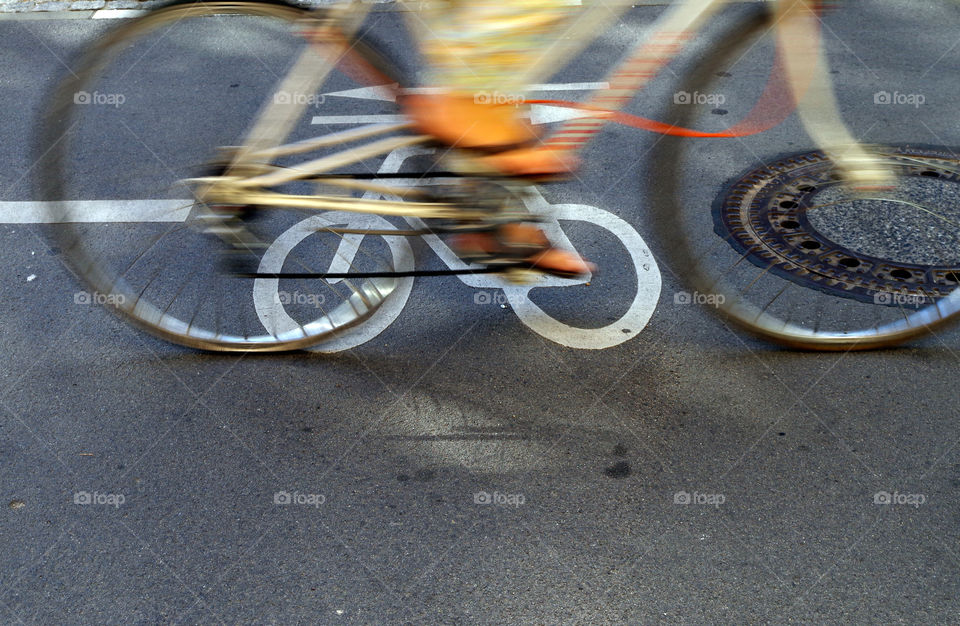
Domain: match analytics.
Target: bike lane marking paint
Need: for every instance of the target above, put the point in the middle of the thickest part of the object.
(638, 314)
(640, 309)
(106, 211)
(269, 305)
(539, 113)
(628, 326)
(357, 119)
(388, 92)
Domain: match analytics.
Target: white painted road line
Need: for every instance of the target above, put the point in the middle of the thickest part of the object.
(98, 211)
(545, 114)
(357, 93)
(540, 114)
(357, 119)
(388, 93)
(116, 14)
(569, 86)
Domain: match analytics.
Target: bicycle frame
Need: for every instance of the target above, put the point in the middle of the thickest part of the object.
(798, 41)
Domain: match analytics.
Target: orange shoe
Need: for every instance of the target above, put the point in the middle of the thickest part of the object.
(520, 243)
(462, 122)
(459, 120)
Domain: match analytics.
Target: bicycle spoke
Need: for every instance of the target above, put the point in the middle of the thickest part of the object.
(771, 301)
(139, 256)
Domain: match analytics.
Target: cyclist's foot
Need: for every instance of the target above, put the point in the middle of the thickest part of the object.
(524, 244)
(459, 120)
(538, 161)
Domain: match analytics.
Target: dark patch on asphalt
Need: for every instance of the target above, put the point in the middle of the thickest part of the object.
(425, 475)
(621, 469)
(422, 476)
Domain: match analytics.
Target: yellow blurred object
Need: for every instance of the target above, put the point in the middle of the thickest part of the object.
(465, 122)
(477, 54)
(486, 45)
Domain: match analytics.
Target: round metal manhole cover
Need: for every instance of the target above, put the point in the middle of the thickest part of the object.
(795, 218)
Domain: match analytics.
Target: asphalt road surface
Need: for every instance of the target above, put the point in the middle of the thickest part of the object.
(465, 463)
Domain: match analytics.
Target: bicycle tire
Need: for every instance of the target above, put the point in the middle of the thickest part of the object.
(695, 255)
(71, 234)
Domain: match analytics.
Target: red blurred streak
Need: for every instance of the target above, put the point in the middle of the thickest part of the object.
(775, 105)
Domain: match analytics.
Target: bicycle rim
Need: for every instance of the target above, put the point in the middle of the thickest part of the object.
(763, 228)
(117, 150)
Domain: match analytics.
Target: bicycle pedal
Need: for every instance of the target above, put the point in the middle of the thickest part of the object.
(521, 275)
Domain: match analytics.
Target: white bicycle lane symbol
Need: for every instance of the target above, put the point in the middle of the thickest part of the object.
(270, 308)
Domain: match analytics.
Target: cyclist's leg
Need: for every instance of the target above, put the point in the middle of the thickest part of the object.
(522, 242)
(476, 52)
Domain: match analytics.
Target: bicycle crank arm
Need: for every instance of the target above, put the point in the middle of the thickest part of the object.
(266, 199)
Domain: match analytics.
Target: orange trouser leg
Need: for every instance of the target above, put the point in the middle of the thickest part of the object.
(476, 53)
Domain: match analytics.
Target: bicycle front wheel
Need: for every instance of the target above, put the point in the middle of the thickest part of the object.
(150, 106)
(763, 226)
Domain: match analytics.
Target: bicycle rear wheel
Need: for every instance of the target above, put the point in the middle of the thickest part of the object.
(766, 231)
(149, 106)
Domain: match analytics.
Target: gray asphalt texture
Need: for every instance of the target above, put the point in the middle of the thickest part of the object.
(585, 452)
